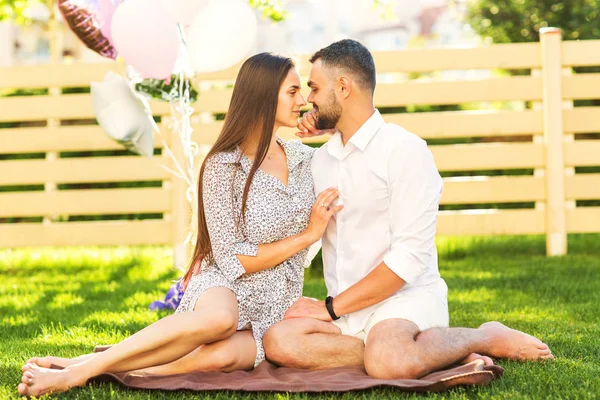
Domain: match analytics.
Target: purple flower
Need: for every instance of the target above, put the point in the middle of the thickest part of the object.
(172, 298)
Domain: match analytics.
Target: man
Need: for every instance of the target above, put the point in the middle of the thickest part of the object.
(380, 260)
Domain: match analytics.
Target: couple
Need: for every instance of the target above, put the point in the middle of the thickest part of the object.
(378, 195)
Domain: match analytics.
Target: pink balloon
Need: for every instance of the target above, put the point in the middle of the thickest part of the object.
(184, 11)
(146, 37)
(108, 8)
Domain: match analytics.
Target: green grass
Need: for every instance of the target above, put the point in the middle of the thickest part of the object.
(65, 301)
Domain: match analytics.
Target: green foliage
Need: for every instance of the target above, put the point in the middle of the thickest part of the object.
(271, 9)
(506, 21)
(15, 10)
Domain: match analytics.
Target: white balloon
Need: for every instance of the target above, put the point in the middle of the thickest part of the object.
(123, 116)
(221, 35)
(184, 11)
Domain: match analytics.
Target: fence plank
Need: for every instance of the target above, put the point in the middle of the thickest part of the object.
(81, 170)
(471, 157)
(580, 53)
(496, 189)
(502, 56)
(582, 153)
(86, 233)
(582, 120)
(63, 138)
(491, 222)
(583, 187)
(581, 86)
(457, 92)
(55, 75)
(85, 202)
(583, 220)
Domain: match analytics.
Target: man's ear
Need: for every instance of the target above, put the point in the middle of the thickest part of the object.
(345, 86)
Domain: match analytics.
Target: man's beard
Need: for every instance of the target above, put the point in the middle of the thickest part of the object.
(329, 114)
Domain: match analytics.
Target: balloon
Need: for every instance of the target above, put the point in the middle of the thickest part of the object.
(184, 11)
(221, 35)
(123, 115)
(146, 37)
(107, 8)
(87, 18)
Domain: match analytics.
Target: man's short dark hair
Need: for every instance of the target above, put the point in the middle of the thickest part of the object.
(350, 56)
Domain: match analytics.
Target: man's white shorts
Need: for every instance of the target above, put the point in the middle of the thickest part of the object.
(423, 307)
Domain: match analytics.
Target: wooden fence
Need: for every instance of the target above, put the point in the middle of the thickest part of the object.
(520, 154)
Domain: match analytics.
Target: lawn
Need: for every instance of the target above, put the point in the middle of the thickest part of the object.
(65, 301)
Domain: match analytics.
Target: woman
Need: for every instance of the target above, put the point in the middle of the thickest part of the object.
(255, 224)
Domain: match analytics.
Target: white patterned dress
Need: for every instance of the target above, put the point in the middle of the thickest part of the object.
(274, 212)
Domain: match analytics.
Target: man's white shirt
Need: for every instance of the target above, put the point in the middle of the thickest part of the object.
(390, 188)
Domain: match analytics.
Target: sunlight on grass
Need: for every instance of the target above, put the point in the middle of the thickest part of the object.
(480, 295)
(63, 300)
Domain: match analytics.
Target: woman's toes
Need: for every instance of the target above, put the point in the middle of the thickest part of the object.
(26, 379)
(32, 360)
(22, 389)
(27, 367)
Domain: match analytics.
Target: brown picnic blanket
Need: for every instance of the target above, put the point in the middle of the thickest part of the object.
(269, 378)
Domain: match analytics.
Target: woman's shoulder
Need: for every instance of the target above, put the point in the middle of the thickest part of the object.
(224, 158)
(297, 148)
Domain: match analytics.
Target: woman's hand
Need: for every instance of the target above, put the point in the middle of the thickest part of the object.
(307, 125)
(321, 213)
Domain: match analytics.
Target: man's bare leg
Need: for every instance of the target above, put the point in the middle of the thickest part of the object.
(397, 350)
(311, 344)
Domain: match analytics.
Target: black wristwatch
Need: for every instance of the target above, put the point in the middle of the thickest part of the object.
(329, 306)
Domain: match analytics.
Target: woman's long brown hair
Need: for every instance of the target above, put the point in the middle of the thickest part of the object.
(252, 111)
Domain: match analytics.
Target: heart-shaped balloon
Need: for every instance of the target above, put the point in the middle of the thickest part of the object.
(123, 115)
(90, 21)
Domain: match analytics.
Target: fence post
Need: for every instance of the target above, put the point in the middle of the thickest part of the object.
(180, 216)
(556, 230)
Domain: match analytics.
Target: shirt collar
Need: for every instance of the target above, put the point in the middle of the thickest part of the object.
(359, 140)
(294, 152)
(365, 133)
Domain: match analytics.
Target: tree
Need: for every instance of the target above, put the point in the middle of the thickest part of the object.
(507, 21)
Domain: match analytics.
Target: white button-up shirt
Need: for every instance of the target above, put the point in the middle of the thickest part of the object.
(390, 188)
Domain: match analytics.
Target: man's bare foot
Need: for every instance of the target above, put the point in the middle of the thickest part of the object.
(504, 342)
(46, 362)
(474, 356)
(37, 381)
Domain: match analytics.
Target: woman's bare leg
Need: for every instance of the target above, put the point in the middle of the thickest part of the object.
(233, 354)
(214, 318)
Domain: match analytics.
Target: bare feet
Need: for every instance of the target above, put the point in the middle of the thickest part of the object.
(474, 356)
(37, 381)
(46, 362)
(504, 342)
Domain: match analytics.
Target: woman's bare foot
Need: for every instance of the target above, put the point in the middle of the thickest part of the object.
(37, 381)
(46, 362)
(474, 356)
(504, 342)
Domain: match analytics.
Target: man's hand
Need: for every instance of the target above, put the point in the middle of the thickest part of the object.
(307, 125)
(305, 307)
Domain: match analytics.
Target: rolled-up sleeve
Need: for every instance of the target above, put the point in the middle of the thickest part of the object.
(415, 191)
(225, 239)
